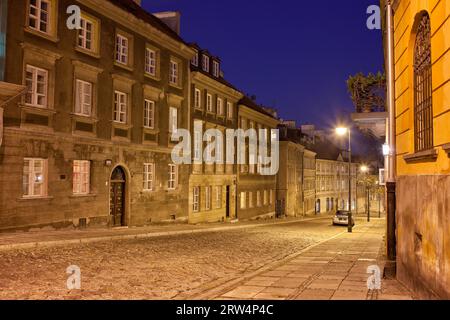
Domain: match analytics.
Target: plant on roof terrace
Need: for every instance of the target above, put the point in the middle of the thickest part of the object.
(368, 92)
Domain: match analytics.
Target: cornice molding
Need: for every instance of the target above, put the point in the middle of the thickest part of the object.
(129, 21)
(224, 89)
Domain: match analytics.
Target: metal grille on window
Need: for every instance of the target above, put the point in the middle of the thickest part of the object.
(423, 91)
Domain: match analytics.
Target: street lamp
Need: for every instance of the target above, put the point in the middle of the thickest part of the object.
(342, 131)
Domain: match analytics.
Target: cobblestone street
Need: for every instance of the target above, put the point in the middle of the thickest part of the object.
(159, 268)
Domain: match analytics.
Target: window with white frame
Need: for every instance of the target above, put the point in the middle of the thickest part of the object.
(258, 198)
(266, 199)
(243, 200)
(271, 197)
(194, 60)
(216, 69)
(36, 80)
(209, 103)
(122, 49)
(150, 61)
(81, 177)
(149, 176)
(83, 98)
(196, 199)
(205, 63)
(86, 34)
(198, 99)
(120, 107)
(198, 140)
(218, 197)
(208, 195)
(149, 114)
(173, 120)
(220, 106)
(229, 110)
(34, 177)
(250, 200)
(174, 72)
(173, 177)
(40, 15)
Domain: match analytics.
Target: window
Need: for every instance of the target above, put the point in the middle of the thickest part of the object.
(174, 72)
(173, 177)
(150, 62)
(266, 199)
(250, 200)
(86, 34)
(271, 197)
(173, 120)
(122, 46)
(36, 80)
(196, 199)
(34, 177)
(243, 200)
(39, 15)
(198, 140)
(229, 110)
(258, 198)
(219, 106)
(205, 63)
(120, 107)
(208, 198)
(216, 69)
(81, 177)
(149, 176)
(194, 60)
(423, 90)
(149, 114)
(83, 99)
(219, 197)
(209, 106)
(198, 99)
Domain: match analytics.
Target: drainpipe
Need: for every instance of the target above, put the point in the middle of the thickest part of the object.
(390, 184)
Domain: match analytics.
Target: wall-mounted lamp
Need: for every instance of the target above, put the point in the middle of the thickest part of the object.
(386, 150)
(108, 163)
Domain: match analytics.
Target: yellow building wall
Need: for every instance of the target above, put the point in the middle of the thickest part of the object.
(404, 40)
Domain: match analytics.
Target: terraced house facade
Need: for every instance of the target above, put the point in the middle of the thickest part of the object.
(90, 142)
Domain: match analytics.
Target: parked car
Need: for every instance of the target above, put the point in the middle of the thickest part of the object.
(341, 218)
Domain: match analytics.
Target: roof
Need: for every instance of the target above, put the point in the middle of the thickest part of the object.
(246, 101)
(140, 13)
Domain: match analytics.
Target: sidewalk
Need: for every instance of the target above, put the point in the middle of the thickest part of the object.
(30, 240)
(335, 269)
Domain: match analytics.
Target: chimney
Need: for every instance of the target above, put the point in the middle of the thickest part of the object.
(171, 18)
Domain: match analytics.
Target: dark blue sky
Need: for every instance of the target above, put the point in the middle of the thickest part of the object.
(294, 55)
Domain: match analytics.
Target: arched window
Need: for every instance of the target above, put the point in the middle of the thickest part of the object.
(423, 90)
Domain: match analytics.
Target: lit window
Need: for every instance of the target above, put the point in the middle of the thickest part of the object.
(194, 60)
(216, 69)
(271, 197)
(81, 177)
(39, 15)
(150, 61)
(243, 200)
(258, 198)
(120, 107)
(219, 106)
(250, 200)
(198, 140)
(34, 177)
(149, 114)
(266, 199)
(173, 120)
(219, 197)
(208, 198)
(198, 99)
(122, 44)
(205, 63)
(37, 83)
(174, 72)
(149, 175)
(196, 199)
(83, 99)
(173, 177)
(229, 110)
(86, 34)
(209, 104)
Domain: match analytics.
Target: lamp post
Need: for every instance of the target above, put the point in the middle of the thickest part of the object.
(341, 131)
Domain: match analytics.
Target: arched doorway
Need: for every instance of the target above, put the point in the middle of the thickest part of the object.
(118, 197)
(318, 206)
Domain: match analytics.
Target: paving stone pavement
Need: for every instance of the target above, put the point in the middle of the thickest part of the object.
(332, 270)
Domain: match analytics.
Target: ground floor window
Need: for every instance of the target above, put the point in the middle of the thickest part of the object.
(81, 177)
(266, 200)
(149, 172)
(243, 200)
(173, 177)
(34, 177)
(196, 199)
(208, 198)
(219, 197)
(271, 197)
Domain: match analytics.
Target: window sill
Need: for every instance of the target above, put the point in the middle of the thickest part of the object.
(175, 85)
(83, 118)
(422, 156)
(155, 78)
(123, 66)
(446, 148)
(93, 54)
(78, 196)
(44, 198)
(44, 35)
(42, 110)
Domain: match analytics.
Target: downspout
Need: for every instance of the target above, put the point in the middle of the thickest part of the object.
(3, 25)
(391, 174)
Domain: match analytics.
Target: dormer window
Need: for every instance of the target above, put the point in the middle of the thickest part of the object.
(205, 63)
(216, 69)
(194, 60)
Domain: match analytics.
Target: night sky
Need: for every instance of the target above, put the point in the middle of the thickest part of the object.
(293, 55)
